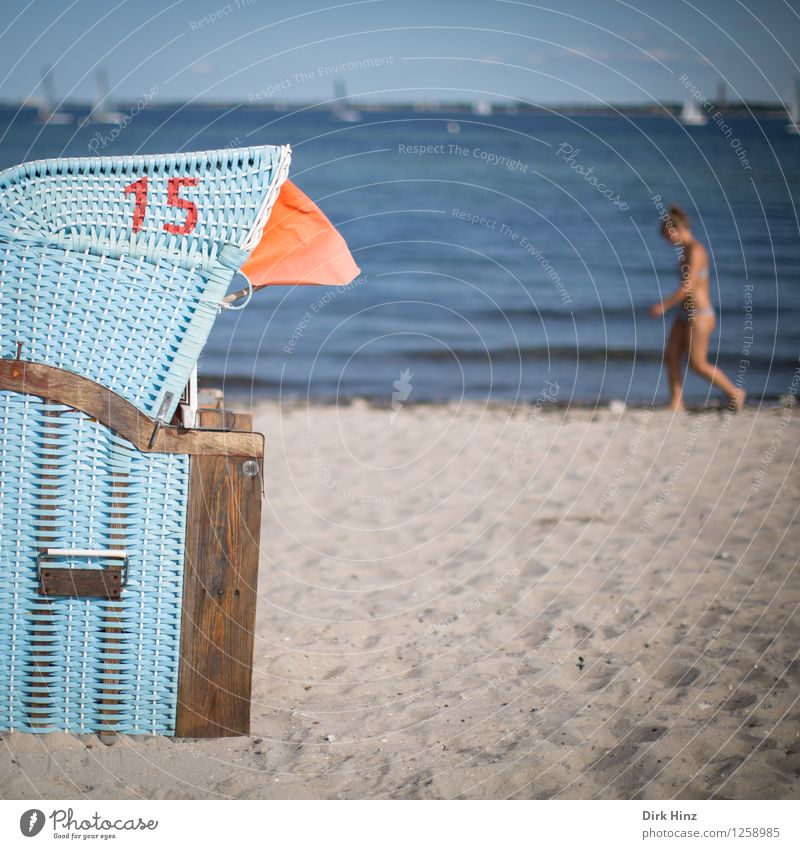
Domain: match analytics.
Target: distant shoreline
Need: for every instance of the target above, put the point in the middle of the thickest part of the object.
(237, 397)
(666, 110)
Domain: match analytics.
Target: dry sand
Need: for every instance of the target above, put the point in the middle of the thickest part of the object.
(466, 602)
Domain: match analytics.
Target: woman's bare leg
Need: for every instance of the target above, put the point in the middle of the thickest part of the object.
(699, 332)
(673, 357)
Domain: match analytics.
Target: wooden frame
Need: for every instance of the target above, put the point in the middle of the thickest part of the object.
(223, 526)
(219, 598)
(120, 415)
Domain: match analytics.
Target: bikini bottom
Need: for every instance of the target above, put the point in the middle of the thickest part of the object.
(686, 315)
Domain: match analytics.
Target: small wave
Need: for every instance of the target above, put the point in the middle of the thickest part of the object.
(572, 354)
(597, 313)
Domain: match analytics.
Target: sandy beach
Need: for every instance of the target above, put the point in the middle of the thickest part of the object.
(473, 602)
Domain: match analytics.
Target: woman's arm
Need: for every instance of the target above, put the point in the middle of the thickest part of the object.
(688, 275)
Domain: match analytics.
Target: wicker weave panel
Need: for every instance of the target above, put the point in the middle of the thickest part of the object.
(86, 664)
(81, 290)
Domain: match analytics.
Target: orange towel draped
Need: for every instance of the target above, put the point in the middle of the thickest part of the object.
(299, 246)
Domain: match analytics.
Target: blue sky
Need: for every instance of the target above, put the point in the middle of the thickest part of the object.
(578, 51)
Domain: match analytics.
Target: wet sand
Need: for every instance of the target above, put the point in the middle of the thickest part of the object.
(474, 602)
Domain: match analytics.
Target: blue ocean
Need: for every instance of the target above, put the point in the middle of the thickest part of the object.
(501, 255)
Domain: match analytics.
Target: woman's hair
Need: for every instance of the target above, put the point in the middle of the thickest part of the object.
(676, 218)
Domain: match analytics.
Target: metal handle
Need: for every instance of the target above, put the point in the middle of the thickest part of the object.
(116, 553)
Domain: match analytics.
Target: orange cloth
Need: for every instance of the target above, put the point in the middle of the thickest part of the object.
(299, 245)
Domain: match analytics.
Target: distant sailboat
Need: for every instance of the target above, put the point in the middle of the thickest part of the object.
(99, 114)
(342, 110)
(692, 115)
(48, 111)
(794, 110)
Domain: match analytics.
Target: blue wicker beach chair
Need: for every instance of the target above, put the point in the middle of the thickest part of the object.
(112, 271)
(114, 268)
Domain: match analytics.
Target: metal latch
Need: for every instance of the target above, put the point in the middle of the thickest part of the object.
(82, 583)
(227, 419)
(161, 418)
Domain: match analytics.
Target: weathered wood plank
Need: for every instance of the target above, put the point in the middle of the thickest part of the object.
(80, 583)
(219, 598)
(116, 413)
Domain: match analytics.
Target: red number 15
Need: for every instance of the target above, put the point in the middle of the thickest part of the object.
(139, 189)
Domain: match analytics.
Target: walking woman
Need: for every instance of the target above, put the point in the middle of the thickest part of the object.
(695, 321)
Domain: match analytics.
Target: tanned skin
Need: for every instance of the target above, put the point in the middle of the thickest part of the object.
(694, 324)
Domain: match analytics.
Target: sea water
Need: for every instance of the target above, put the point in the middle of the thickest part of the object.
(501, 255)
